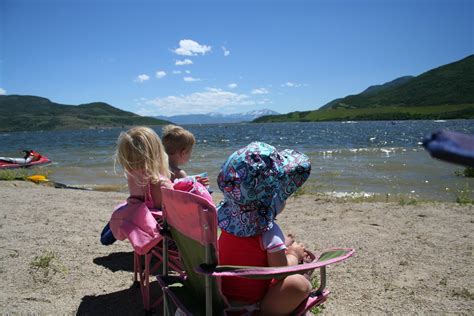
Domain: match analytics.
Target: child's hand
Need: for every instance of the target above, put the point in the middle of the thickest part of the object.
(289, 240)
(307, 258)
(203, 180)
(296, 249)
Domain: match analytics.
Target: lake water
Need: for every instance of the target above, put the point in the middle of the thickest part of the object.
(358, 158)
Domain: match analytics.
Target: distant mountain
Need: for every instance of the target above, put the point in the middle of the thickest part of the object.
(29, 113)
(216, 118)
(392, 84)
(445, 92)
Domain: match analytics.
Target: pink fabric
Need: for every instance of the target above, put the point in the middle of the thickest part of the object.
(134, 221)
(184, 212)
(192, 186)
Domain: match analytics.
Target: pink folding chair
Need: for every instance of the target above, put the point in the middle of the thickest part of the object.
(134, 221)
(192, 223)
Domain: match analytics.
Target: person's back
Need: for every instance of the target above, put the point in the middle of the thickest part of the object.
(142, 156)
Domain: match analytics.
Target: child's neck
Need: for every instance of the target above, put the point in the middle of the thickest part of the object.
(173, 164)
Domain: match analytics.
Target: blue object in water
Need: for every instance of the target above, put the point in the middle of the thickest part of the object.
(452, 147)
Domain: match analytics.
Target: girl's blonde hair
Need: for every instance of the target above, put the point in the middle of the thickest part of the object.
(176, 138)
(140, 149)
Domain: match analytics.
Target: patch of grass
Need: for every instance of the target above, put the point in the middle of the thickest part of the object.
(13, 174)
(43, 261)
(316, 310)
(410, 201)
(20, 174)
(464, 196)
(468, 172)
(44, 264)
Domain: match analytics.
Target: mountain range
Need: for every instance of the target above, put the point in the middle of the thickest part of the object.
(216, 118)
(445, 92)
(29, 113)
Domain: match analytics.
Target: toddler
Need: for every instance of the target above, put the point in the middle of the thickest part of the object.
(178, 144)
(256, 181)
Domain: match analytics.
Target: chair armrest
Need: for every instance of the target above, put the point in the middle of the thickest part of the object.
(327, 257)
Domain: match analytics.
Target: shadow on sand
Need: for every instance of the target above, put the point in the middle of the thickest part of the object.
(125, 302)
(117, 261)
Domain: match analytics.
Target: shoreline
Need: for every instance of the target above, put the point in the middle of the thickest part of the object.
(461, 196)
(409, 258)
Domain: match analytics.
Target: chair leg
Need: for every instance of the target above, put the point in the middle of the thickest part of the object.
(142, 278)
(146, 283)
(136, 262)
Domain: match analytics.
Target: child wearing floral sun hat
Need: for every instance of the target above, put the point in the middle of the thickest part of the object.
(256, 181)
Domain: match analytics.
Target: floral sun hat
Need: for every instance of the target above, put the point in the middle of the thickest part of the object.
(256, 181)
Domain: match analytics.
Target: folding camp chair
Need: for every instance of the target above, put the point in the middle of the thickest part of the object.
(140, 225)
(192, 223)
(143, 268)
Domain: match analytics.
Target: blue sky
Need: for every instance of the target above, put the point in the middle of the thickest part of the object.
(180, 57)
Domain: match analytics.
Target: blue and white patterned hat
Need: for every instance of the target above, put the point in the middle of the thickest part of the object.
(256, 181)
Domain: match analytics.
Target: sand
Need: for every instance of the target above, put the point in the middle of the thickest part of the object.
(409, 259)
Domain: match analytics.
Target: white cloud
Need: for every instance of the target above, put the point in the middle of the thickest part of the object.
(232, 85)
(291, 85)
(160, 74)
(187, 71)
(226, 51)
(210, 100)
(189, 47)
(142, 77)
(259, 91)
(3, 91)
(176, 72)
(191, 79)
(183, 62)
(264, 101)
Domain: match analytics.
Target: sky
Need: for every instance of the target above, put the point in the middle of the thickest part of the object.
(187, 57)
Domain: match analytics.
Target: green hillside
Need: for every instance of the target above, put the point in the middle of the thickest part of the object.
(445, 92)
(28, 113)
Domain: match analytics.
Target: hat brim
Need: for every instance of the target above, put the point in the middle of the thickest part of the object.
(233, 220)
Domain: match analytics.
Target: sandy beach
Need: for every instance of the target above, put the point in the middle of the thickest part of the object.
(410, 259)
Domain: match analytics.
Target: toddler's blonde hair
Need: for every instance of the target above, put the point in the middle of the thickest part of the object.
(176, 138)
(140, 149)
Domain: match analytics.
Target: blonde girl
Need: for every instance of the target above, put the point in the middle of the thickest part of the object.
(144, 160)
(145, 163)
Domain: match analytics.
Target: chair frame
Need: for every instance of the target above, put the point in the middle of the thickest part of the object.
(143, 269)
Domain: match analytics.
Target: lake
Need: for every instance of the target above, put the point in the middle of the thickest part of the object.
(370, 158)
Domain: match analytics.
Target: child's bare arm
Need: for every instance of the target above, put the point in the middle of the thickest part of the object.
(156, 191)
(295, 253)
(181, 174)
(277, 259)
(291, 256)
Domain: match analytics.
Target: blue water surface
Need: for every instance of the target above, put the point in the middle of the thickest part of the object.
(370, 157)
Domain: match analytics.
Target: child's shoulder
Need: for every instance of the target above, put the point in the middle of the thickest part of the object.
(178, 173)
